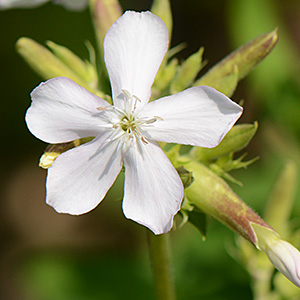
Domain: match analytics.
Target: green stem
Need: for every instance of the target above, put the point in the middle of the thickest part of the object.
(160, 263)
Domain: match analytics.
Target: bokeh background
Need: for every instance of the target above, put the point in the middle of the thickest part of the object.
(101, 255)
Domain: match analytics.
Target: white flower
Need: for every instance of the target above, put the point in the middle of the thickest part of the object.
(126, 133)
(69, 4)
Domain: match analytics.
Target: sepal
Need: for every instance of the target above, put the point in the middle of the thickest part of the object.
(195, 216)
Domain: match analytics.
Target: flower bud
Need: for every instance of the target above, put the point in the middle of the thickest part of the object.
(54, 150)
(243, 60)
(104, 14)
(65, 63)
(43, 61)
(214, 197)
(162, 9)
(284, 256)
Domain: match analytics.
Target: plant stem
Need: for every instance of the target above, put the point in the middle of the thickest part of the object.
(160, 263)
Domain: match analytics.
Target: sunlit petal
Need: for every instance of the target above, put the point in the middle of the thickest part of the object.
(63, 111)
(199, 116)
(134, 48)
(153, 189)
(79, 178)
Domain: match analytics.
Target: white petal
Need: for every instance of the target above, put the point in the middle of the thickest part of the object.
(153, 189)
(7, 4)
(134, 48)
(79, 178)
(73, 4)
(62, 111)
(199, 116)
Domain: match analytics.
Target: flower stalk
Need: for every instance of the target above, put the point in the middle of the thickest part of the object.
(159, 251)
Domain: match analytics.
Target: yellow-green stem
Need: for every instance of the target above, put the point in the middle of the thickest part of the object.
(161, 266)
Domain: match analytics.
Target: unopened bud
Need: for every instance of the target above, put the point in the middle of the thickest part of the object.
(162, 9)
(284, 256)
(241, 61)
(104, 14)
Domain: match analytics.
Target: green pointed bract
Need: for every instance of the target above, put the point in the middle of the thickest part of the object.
(195, 216)
(163, 78)
(213, 196)
(241, 61)
(236, 139)
(185, 176)
(43, 61)
(47, 65)
(83, 69)
(187, 72)
(281, 198)
(162, 9)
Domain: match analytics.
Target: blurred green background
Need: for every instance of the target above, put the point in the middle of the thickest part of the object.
(101, 255)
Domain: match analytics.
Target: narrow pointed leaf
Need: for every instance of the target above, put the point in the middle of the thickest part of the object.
(83, 69)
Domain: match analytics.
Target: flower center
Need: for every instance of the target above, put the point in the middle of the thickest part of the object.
(128, 122)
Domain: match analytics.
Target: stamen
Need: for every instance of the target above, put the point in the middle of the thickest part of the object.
(135, 102)
(127, 94)
(102, 108)
(142, 138)
(136, 98)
